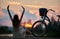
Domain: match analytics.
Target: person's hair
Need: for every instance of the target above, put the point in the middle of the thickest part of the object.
(16, 17)
(43, 11)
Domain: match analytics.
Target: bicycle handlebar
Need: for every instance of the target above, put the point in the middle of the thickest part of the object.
(51, 10)
(55, 14)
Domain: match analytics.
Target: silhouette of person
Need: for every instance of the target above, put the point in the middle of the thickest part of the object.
(16, 22)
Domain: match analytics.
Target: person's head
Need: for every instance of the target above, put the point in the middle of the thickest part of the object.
(42, 11)
(16, 17)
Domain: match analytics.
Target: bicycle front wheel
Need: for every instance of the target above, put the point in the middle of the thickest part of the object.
(39, 28)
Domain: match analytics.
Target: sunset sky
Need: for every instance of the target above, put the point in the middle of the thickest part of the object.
(31, 12)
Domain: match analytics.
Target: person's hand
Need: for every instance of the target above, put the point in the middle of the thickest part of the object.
(23, 7)
(8, 7)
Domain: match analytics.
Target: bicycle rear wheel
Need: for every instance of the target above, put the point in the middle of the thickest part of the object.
(39, 28)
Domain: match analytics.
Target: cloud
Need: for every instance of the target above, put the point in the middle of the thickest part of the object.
(6, 12)
(32, 11)
(15, 3)
(1, 13)
(6, 19)
(36, 12)
(5, 22)
(33, 6)
(27, 5)
(30, 16)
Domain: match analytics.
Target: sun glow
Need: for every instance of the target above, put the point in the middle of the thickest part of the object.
(28, 25)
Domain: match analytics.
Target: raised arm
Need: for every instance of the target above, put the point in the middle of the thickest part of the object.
(22, 14)
(9, 12)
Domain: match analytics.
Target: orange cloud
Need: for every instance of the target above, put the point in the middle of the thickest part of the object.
(32, 11)
(33, 6)
(15, 3)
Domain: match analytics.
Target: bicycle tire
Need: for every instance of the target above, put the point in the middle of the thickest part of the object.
(33, 28)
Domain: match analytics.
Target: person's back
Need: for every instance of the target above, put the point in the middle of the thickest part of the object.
(19, 31)
(16, 21)
(16, 24)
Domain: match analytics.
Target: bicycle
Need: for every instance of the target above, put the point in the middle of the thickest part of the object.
(41, 28)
